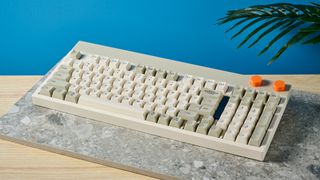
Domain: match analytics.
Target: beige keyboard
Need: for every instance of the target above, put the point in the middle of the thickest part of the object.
(215, 109)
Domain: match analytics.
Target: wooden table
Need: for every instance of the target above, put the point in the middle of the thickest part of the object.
(22, 162)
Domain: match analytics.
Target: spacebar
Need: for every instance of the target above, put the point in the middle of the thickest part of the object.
(118, 108)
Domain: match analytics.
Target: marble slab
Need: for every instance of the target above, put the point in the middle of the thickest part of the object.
(293, 154)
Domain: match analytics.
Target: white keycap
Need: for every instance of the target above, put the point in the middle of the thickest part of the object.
(222, 87)
(205, 125)
(140, 69)
(257, 136)
(114, 63)
(74, 88)
(137, 95)
(176, 122)
(94, 59)
(153, 116)
(243, 137)
(182, 105)
(164, 119)
(150, 71)
(188, 115)
(149, 97)
(215, 131)
(184, 97)
(72, 97)
(160, 100)
(129, 75)
(161, 73)
(77, 73)
(116, 98)
(161, 109)
(172, 85)
(129, 85)
(139, 78)
(95, 93)
(108, 71)
(112, 107)
(173, 94)
(195, 99)
(172, 76)
(98, 77)
(171, 111)
(47, 90)
(88, 66)
(210, 84)
(124, 65)
(183, 87)
(199, 82)
(75, 80)
(150, 80)
(238, 91)
(116, 90)
(59, 93)
(119, 73)
(161, 82)
(162, 92)
(149, 106)
(104, 60)
(127, 100)
(151, 89)
(85, 83)
(230, 135)
(187, 79)
(119, 82)
(138, 103)
(171, 102)
(127, 92)
(194, 107)
(194, 90)
(78, 64)
(98, 68)
(140, 87)
(74, 54)
(106, 87)
(108, 80)
(95, 85)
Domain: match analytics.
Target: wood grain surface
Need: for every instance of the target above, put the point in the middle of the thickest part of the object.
(22, 162)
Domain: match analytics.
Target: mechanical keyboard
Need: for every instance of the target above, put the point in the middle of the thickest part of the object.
(229, 112)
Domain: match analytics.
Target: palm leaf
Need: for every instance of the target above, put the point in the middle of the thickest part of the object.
(282, 17)
(266, 32)
(314, 40)
(247, 26)
(298, 37)
(257, 30)
(279, 36)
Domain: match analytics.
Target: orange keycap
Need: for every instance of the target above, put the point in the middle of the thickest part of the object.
(279, 85)
(256, 81)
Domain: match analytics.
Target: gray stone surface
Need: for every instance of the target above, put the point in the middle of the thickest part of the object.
(293, 154)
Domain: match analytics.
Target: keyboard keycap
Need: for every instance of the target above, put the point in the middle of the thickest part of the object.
(257, 136)
(164, 119)
(108, 106)
(47, 90)
(205, 125)
(176, 122)
(153, 116)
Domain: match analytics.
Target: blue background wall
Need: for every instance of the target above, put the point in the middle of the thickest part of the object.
(34, 35)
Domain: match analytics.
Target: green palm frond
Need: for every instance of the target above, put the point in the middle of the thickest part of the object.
(301, 20)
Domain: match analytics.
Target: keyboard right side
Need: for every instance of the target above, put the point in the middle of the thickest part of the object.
(223, 115)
